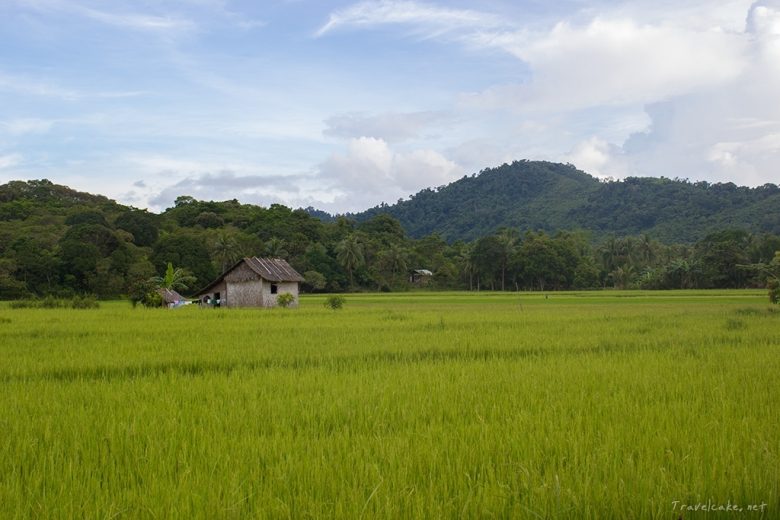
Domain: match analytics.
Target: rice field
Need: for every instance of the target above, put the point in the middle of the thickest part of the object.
(419, 405)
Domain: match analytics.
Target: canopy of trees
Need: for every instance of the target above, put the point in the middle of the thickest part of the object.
(535, 195)
(54, 240)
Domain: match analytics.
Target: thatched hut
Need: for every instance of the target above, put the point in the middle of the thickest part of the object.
(252, 282)
(171, 298)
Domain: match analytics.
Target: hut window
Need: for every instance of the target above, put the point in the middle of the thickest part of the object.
(274, 288)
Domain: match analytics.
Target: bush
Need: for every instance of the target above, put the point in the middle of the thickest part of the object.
(152, 299)
(50, 302)
(335, 302)
(84, 302)
(774, 291)
(285, 300)
(23, 304)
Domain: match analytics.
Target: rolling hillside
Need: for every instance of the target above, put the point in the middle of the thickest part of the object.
(534, 195)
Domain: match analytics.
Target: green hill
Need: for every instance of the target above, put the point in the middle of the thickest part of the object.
(535, 195)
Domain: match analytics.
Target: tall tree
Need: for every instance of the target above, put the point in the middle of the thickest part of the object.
(226, 250)
(276, 248)
(393, 261)
(507, 240)
(349, 253)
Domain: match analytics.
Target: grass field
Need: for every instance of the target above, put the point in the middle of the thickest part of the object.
(430, 405)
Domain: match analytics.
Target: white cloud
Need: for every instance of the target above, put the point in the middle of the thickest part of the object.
(123, 19)
(614, 62)
(371, 172)
(135, 21)
(591, 156)
(430, 19)
(729, 131)
(598, 158)
(226, 184)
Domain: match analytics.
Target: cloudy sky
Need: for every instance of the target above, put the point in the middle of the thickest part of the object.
(342, 105)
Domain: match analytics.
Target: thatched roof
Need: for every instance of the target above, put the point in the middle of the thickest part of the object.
(170, 296)
(272, 269)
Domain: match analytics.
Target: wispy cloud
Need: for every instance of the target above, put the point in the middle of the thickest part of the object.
(431, 19)
(142, 22)
(38, 87)
(391, 127)
(27, 126)
(35, 87)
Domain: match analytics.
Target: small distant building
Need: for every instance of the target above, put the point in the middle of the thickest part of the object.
(420, 277)
(171, 298)
(252, 282)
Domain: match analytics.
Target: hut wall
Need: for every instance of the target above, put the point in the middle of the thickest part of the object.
(220, 288)
(245, 293)
(269, 300)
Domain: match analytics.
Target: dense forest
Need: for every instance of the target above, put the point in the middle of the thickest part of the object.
(60, 242)
(535, 195)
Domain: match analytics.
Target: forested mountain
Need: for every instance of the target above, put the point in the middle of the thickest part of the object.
(61, 242)
(534, 195)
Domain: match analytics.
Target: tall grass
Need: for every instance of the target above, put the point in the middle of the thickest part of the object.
(582, 405)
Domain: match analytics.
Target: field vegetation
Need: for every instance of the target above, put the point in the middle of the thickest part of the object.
(612, 404)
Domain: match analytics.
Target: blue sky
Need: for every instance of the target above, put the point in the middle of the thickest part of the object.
(342, 105)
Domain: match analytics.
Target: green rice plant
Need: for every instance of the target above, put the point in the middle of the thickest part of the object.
(416, 405)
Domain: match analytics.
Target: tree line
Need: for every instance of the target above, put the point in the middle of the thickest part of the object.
(56, 241)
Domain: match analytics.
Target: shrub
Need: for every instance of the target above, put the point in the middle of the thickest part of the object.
(50, 302)
(152, 299)
(22, 304)
(285, 300)
(774, 291)
(84, 302)
(335, 302)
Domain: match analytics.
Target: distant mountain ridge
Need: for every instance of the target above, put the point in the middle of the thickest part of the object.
(523, 195)
(538, 195)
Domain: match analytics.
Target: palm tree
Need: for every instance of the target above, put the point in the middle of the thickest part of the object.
(349, 253)
(647, 249)
(275, 248)
(507, 238)
(681, 272)
(623, 276)
(176, 279)
(394, 259)
(610, 251)
(466, 264)
(226, 250)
